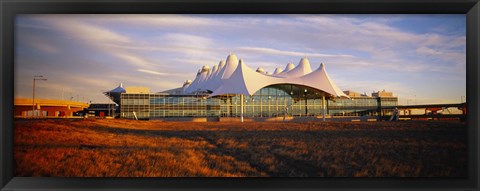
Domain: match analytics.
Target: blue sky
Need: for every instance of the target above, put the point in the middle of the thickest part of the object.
(417, 57)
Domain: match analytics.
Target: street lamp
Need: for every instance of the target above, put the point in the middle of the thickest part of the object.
(35, 78)
(236, 109)
(269, 97)
(354, 107)
(306, 108)
(291, 102)
(276, 103)
(408, 101)
(205, 106)
(110, 106)
(107, 92)
(253, 107)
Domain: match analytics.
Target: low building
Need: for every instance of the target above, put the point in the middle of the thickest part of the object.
(101, 110)
(382, 94)
(350, 93)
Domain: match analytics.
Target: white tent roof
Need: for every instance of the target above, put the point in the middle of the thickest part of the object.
(203, 77)
(237, 78)
(243, 81)
(260, 70)
(302, 68)
(119, 89)
(213, 72)
(194, 84)
(216, 77)
(115, 93)
(230, 66)
(278, 71)
(289, 67)
(319, 79)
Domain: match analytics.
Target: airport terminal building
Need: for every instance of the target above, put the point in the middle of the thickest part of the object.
(232, 89)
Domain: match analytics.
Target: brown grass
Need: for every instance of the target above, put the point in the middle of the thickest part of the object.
(127, 148)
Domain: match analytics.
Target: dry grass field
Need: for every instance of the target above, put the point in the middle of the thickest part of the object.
(128, 148)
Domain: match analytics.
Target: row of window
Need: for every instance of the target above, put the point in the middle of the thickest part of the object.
(268, 105)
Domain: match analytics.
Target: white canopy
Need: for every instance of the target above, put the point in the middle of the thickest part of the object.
(302, 68)
(193, 86)
(214, 80)
(115, 93)
(119, 89)
(278, 71)
(237, 78)
(289, 67)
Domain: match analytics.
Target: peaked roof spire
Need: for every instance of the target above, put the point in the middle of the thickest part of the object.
(301, 69)
(247, 81)
(237, 78)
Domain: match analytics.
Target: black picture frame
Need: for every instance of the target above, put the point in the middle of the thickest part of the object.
(9, 8)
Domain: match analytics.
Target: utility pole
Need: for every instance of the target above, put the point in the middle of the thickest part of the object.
(35, 78)
(109, 105)
(354, 107)
(107, 92)
(306, 107)
(323, 108)
(241, 108)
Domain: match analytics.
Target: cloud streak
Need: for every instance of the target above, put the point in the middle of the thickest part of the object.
(271, 51)
(153, 72)
(81, 30)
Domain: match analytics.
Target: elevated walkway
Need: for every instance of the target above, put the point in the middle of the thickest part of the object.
(24, 107)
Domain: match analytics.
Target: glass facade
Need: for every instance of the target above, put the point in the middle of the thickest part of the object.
(270, 101)
(135, 105)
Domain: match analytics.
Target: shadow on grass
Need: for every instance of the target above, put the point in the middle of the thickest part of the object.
(258, 141)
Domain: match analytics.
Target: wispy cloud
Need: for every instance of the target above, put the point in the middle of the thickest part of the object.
(133, 59)
(40, 44)
(81, 30)
(153, 72)
(164, 20)
(271, 51)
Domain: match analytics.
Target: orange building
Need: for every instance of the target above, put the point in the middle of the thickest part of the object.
(24, 107)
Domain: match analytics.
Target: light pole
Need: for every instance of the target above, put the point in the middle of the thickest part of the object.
(205, 105)
(354, 107)
(35, 78)
(253, 107)
(241, 108)
(236, 109)
(269, 97)
(408, 101)
(306, 108)
(276, 103)
(291, 103)
(109, 102)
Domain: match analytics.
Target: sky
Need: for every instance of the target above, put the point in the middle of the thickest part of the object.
(420, 58)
